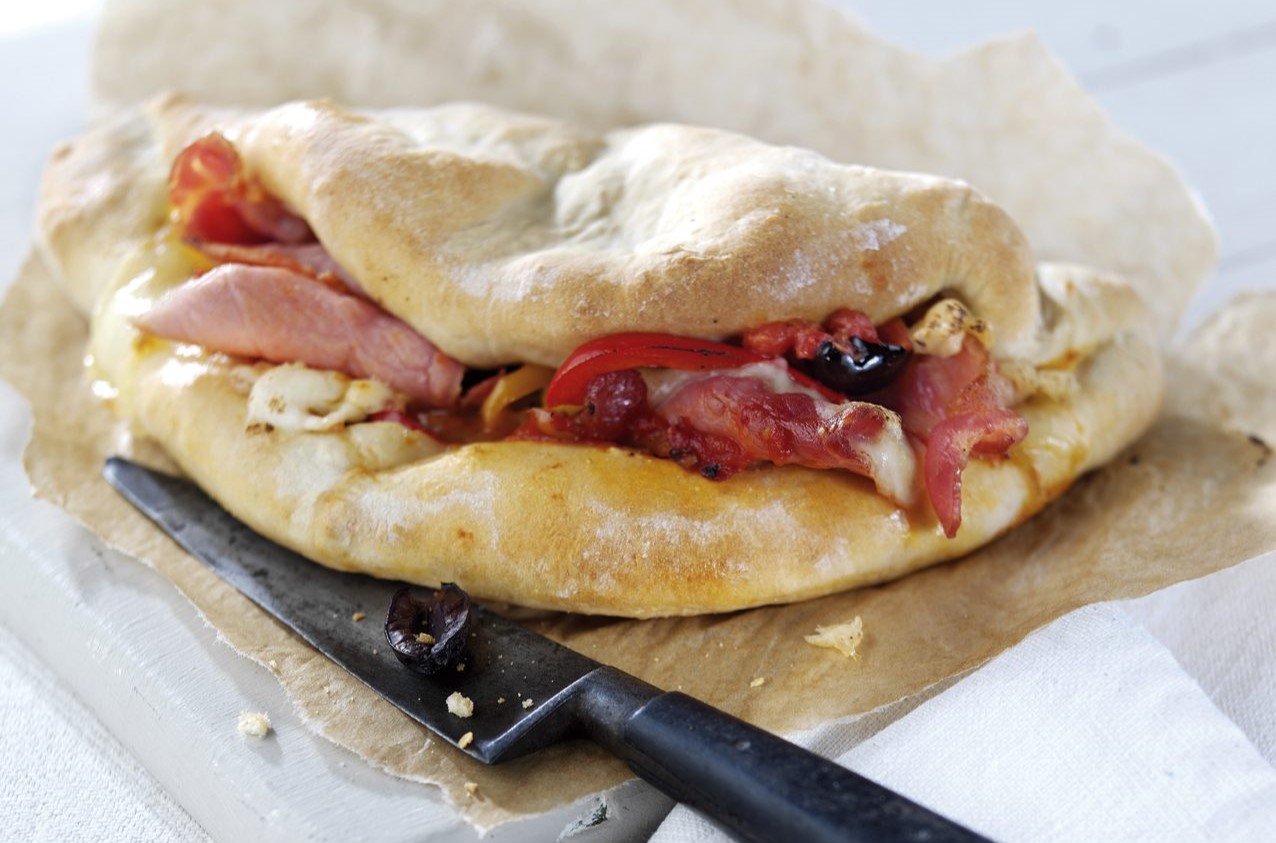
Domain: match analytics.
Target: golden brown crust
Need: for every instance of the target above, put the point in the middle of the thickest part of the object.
(477, 225)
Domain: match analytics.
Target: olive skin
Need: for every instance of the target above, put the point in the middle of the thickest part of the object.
(445, 621)
(859, 367)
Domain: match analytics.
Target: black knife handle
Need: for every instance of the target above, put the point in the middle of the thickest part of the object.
(761, 787)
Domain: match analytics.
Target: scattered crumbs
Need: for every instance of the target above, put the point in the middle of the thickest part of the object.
(500, 700)
(424, 638)
(460, 705)
(758, 682)
(358, 616)
(466, 739)
(272, 664)
(460, 668)
(527, 703)
(471, 787)
(843, 637)
(253, 724)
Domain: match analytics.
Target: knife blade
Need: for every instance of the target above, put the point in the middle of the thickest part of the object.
(758, 785)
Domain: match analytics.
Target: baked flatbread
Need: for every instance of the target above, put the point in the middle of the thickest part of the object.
(507, 239)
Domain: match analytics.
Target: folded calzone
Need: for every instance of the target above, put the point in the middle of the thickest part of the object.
(662, 370)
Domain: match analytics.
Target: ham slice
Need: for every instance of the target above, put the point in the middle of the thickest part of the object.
(282, 316)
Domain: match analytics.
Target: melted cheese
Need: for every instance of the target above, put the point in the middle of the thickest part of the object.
(116, 348)
(293, 397)
(662, 384)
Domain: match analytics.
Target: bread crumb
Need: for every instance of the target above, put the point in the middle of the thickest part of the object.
(253, 724)
(358, 616)
(466, 740)
(758, 683)
(500, 700)
(424, 638)
(527, 703)
(460, 668)
(843, 637)
(272, 664)
(460, 705)
(471, 788)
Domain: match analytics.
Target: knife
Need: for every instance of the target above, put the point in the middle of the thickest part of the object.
(757, 785)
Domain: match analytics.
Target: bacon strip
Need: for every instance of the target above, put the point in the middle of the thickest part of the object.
(959, 407)
(796, 428)
(216, 201)
(719, 424)
(282, 316)
(310, 259)
(989, 432)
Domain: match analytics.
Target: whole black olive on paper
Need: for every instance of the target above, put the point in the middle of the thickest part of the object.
(428, 635)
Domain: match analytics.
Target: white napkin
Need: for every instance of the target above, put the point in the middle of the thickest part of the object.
(1221, 629)
(1088, 730)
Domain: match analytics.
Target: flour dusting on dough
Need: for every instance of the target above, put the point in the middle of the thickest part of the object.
(875, 234)
(643, 535)
(800, 273)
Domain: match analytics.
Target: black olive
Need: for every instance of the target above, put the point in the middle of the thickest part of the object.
(859, 368)
(428, 635)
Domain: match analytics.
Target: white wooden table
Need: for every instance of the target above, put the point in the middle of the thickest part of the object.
(1193, 81)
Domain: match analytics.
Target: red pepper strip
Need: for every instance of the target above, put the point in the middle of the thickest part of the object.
(617, 352)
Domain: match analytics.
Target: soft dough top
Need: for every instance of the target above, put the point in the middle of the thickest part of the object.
(504, 237)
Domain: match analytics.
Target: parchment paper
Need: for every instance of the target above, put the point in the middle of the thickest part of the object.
(1192, 496)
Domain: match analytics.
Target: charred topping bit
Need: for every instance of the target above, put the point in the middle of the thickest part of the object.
(428, 635)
